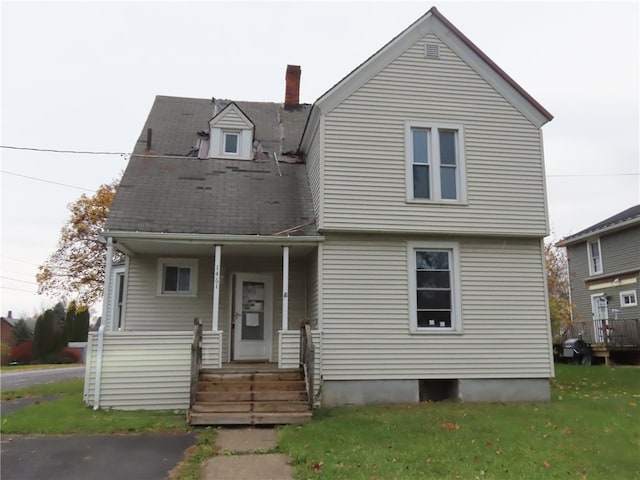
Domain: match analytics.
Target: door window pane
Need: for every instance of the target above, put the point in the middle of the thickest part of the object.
(252, 311)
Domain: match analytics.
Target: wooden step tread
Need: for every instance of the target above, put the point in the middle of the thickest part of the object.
(243, 386)
(275, 406)
(252, 418)
(251, 396)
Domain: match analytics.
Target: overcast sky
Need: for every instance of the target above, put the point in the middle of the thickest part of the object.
(83, 76)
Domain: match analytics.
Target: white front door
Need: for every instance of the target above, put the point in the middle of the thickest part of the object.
(253, 316)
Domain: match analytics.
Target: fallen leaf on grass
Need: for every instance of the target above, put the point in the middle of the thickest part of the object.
(450, 426)
(489, 443)
(566, 431)
(498, 452)
(317, 467)
(546, 464)
(633, 404)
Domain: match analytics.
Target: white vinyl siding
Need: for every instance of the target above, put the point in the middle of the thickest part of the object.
(314, 166)
(230, 122)
(290, 353)
(364, 155)
(150, 371)
(366, 329)
(148, 312)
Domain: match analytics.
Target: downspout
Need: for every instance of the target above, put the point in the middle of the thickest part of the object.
(105, 308)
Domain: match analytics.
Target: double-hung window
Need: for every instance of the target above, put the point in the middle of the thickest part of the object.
(628, 298)
(434, 289)
(231, 143)
(177, 276)
(435, 162)
(595, 257)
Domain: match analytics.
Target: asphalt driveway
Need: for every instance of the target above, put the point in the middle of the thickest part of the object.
(26, 378)
(98, 457)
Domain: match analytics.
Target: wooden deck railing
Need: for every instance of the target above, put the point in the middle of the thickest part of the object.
(307, 359)
(196, 358)
(611, 333)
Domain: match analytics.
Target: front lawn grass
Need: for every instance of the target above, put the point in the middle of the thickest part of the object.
(590, 430)
(68, 414)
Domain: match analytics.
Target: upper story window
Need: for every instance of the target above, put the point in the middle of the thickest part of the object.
(177, 276)
(435, 162)
(231, 142)
(628, 298)
(595, 257)
(434, 287)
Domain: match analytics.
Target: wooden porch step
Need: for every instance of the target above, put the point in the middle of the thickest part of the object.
(226, 376)
(251, 418)
(251, 396)
(227, 407)
(243, 386)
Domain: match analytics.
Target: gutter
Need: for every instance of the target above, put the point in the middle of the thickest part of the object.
(206, 238)
(579, 237)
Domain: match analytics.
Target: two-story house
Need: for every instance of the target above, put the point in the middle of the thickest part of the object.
(604, 271)
(400, 218)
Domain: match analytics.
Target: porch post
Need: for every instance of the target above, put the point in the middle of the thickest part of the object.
(216, 288)
(285, 288)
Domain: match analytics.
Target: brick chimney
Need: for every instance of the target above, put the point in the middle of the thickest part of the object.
(292, 92)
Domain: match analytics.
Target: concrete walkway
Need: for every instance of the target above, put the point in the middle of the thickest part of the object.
(243, 455)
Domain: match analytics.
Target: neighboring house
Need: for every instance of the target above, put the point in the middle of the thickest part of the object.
(604, 270)
(6, 329)
(401, 216)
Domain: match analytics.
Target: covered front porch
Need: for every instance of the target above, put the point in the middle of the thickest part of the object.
(251, 295)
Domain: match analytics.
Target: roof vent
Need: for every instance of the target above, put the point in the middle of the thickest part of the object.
(432, 50)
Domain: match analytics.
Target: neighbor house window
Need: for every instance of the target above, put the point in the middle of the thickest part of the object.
(434, 289)
(177, 276)
(628, 298)
(435, 162)
(231, 142)
(595, 257)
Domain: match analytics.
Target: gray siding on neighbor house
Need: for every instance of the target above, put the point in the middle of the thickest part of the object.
(147, 311)
(620, 253)
(366, 327)
(364, 155)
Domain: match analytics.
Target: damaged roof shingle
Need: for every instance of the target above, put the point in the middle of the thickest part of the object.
(214, 196)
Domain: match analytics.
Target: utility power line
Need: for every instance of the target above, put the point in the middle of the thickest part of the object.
(16, 280)
(46, 181)
(53, 150)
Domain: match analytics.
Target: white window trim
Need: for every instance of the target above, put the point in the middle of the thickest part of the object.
(238, 136)
(626, 293)
(118, 270)
(592, 271)
(434, 173)
(190, 263)
(456, 304)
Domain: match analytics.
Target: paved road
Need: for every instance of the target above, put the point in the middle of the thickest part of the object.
(95, 457)
(13, 380)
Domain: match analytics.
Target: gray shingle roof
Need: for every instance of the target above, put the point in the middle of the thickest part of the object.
(617, 219)
(213, 196)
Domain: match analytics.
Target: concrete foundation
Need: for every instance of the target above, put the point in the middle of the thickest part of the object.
(504, 390)
(360, 392)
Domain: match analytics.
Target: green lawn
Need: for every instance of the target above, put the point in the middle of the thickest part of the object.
(68, 414)
(590, 430)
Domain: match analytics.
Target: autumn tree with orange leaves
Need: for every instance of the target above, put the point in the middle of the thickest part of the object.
(557, 287)
(76, 269)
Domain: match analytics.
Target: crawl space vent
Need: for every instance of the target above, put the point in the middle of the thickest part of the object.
(432, 50)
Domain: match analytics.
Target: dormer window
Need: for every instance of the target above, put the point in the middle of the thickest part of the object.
(231, 143)
(231, 134)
